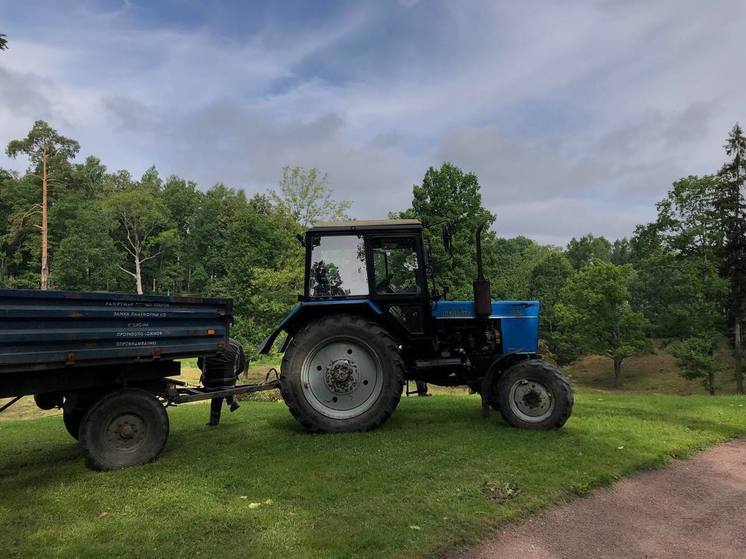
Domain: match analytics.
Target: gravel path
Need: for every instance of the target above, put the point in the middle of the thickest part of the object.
(693, 508)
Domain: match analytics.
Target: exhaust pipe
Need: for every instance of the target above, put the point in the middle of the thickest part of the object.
(482, 293)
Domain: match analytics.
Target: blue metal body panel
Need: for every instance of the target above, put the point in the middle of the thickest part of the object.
(519, 321)
(52, 329)
(297, 314)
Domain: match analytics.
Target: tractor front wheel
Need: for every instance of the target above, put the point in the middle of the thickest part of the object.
(534, 395)
(342, 373)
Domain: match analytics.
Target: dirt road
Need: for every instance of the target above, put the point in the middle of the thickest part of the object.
(693, 508)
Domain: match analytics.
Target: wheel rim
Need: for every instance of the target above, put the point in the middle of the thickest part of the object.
(531, 400)
(342, 377)
(126, 432)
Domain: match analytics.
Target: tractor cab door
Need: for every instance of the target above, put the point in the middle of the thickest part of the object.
(396, 277)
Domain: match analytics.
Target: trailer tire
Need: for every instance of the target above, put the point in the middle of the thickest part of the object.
(72, 419)
(533, 394)
(342, 373)
(125, 428)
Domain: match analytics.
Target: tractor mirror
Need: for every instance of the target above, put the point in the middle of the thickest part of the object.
(447, 237)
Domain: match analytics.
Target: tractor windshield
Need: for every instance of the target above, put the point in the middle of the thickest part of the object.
(338, 267)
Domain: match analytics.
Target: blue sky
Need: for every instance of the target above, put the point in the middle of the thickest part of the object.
(575, 115)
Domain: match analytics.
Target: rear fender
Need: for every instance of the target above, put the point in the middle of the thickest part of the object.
(306, 311)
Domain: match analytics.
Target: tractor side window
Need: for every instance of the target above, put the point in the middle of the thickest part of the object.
(338, 267)
(395, 265)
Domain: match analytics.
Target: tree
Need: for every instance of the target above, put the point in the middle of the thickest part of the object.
(546, 281)
(45, 149)
(588, 248)
(730, 209)
(3, 41)
(681, 296)
(142, 229)
(307, 196)
(696, 360)
(450, 195)
(595, 314)
(686, 219)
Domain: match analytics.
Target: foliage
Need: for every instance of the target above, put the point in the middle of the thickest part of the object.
(595, 315)
(695, 357)
(683, 272)
(546, 280)
(730, 209)
(43, 140)
(681, 297)
(587, 249)
(449, 195)
(307, 196)
(3, 41)
(686, 218)
(142, 227)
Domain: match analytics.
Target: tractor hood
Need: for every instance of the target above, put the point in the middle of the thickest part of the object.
(519, 321)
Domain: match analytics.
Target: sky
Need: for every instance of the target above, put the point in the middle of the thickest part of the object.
(575, 115)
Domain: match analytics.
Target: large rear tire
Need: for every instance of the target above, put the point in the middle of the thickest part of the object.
(123, 429)
(533, 394)
(342, 373)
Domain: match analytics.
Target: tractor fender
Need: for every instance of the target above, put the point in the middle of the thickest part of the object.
(493, 372)
(306, 311)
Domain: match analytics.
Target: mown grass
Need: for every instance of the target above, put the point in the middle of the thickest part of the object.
(259, 486)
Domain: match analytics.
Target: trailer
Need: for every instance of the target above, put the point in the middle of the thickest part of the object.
(108, 361)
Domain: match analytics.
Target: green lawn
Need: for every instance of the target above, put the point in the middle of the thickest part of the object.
(434, 477)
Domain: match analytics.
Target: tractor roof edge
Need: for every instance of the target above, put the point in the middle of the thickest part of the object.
(336, 226)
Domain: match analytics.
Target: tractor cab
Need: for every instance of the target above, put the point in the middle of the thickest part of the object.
(380, 262)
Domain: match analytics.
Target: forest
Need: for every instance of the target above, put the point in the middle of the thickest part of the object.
(69, 224)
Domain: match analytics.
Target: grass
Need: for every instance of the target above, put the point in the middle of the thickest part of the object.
(435, 477)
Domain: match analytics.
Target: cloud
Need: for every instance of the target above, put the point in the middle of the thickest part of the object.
(576, 116)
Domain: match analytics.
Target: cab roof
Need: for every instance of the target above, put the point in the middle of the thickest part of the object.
(364, 225)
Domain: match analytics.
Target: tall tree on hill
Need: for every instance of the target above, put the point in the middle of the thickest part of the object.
(449, 194)
(46, 150)
(729, 203)
(307, 196)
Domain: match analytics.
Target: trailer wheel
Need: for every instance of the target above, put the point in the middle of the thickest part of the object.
(72, 419)
(124, 429)
(342, 373)
(534, 395)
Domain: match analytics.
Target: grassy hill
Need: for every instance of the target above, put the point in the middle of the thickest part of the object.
(654, 373)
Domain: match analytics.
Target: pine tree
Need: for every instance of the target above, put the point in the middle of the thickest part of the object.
(730, 208)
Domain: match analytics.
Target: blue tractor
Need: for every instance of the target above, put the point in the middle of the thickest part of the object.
(367, 322)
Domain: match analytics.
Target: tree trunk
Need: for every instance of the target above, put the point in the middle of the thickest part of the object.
(44, 273)
(738, 353)
(138, 274)
(617, 372)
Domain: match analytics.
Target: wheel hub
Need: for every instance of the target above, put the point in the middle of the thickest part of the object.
(126, 432)
(341, 376)
(532, 398)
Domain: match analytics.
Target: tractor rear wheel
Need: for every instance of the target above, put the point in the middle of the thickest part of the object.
(534, 395)
(342, 373)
